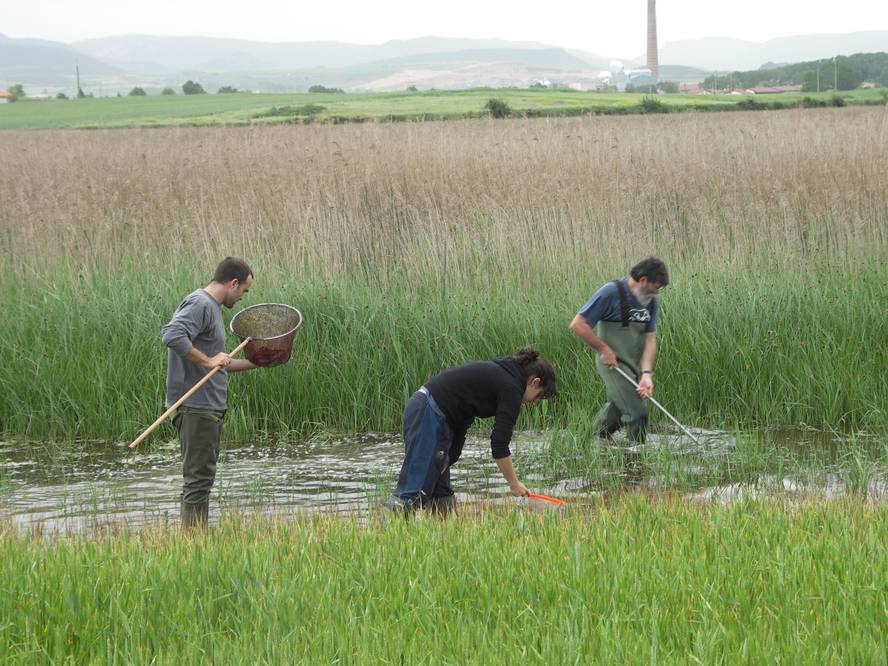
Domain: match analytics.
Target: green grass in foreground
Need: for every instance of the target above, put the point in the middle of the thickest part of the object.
(239, 109)
(742, 348)
(633, 582)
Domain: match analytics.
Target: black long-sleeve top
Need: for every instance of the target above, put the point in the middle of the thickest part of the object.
(480, 390)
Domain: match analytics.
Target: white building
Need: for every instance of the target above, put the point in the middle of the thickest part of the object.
(634, 77)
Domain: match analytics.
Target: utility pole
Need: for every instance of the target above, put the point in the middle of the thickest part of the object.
(77, 69)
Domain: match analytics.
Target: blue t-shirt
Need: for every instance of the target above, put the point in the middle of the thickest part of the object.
(605, 306)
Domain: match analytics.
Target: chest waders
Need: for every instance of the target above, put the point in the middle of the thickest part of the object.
(200, 434)
(623, 407)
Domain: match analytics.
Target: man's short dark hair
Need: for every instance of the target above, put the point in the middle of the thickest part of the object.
(232, 268)
(653, 269)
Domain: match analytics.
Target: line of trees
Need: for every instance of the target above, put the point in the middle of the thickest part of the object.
(17, 91)
(324, 89)
(841, 72)
(660, 86)
(831, 78)
(188, 88)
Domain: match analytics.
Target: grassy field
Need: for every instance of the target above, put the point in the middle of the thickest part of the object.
(245, 108)
(632, 581)
(411, 247)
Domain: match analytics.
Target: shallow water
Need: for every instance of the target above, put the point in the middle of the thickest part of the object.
(77, 487)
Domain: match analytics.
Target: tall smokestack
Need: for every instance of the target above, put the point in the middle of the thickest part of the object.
(653, 61)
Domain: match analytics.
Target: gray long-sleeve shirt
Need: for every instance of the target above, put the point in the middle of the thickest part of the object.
(197, 322)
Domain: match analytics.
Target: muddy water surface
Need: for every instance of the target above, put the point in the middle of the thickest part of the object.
(79, 486)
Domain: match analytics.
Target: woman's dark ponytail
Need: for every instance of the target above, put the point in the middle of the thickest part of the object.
(526, 355)
(532, 365)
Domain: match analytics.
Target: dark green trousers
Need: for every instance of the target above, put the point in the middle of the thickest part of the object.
(200, 436)
(623, 409)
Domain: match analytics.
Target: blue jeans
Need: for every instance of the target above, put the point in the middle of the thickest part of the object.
(427, 440)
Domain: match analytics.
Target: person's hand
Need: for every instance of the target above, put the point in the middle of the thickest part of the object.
(645, 386)
(220, 360)
(608, 357)
(518, 489)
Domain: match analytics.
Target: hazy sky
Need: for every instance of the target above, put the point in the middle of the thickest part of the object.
(615, 28)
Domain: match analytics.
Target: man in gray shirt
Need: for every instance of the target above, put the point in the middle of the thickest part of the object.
(195, 337)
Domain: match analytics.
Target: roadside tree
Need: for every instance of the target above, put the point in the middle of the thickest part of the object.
(16, 91)
(193, 88)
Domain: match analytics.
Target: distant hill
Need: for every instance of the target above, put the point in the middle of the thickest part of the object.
(116, 64)
(169, 54)
(596, 61)
(39, 63)
(541, 59)
(428, 62)
(682, 74)
(725, 53)
(450, 70)
(473, 68)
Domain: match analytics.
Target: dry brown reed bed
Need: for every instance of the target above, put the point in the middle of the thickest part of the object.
(783, 187)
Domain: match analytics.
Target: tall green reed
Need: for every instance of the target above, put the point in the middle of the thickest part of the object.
(412, 247)
(734, 350)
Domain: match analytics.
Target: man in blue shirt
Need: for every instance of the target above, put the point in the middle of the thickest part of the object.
(625, 312)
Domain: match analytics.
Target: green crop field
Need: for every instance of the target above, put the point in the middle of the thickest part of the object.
(629, 582)
(245, 108)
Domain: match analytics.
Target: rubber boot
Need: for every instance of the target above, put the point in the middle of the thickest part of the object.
(401, 507)
(195, 516)
(607, 432)
(636, 429)
(442, 506)
(607, 422)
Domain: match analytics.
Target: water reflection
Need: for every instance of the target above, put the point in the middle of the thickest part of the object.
(75, 487)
